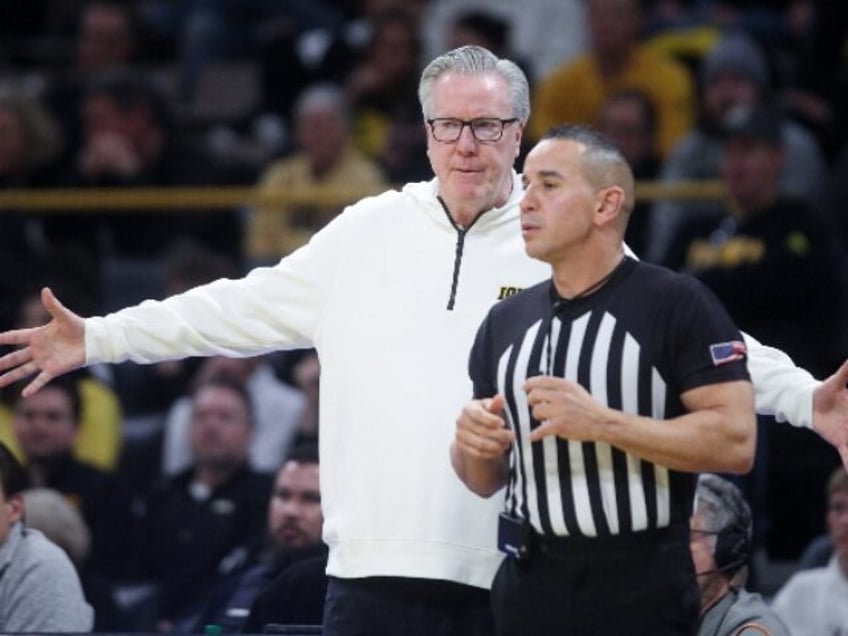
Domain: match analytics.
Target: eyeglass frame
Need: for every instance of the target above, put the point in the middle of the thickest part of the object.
(470, 123)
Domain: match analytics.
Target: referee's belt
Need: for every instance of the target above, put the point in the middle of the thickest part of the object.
(581, 546)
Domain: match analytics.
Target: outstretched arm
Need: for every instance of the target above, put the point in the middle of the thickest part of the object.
(47, 351)
(792, 395)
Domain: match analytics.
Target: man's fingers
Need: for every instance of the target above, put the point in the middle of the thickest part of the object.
(18, 373)
(494, 443)
(542, 431)
(40, 380)
(841, 375)
(15, 337)
(51, 303)
(494, 404)
(540, 411)
(15, 358)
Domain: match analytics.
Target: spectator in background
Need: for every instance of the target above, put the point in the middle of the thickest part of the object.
(628, 119)
(45, 427)
(768, 247)
(204, 524)
(105, 40)
(294, 534)
(62, 523)
(325, 156)
(39, 588)
(769, 258)
(812, 602)
(381, 90)
(721, 540)
(733, 74)
(107, 37)
(98, 438)
(277, 414)
(30, 142)
(128, 141)
(575, 92)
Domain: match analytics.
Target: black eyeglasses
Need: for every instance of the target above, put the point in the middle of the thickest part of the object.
(448, 129)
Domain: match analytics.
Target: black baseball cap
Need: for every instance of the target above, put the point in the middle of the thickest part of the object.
(760, 123)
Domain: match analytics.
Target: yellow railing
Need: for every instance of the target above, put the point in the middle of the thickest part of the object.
(98, 200)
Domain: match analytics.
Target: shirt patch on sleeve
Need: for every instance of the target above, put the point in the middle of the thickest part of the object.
(724, 352)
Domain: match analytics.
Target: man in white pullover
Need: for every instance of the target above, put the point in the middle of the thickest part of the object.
(390, 294)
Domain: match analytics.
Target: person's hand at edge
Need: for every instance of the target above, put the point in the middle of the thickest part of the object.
(47, 351)
(830, 411)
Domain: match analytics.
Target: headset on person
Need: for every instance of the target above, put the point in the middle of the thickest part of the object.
(733, 543)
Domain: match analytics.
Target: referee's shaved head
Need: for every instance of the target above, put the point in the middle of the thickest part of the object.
(601, 162)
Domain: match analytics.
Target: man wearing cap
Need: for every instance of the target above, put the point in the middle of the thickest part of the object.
(734, 73)
(769, 256)
(772, 262)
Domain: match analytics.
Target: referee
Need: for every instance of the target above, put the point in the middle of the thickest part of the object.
(598, 397)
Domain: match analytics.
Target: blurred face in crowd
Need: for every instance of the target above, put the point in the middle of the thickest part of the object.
(473, 175)
(105, 38)
(614, 25)
(726, 91)
(321, 134)
(751, 169)
(625, 123)
(220, 427)
(294, 514)
(44, 423)
(11, 511)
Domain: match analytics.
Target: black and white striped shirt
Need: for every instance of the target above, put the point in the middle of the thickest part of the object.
(636, 345)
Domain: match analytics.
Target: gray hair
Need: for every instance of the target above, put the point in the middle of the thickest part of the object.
(602, 160)
(722, 504)
(324, 95)
(48, 511)
(476, 60)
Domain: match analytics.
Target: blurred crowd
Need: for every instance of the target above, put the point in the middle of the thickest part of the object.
(170, 467)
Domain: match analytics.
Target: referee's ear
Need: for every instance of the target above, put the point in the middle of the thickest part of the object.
(610, 206)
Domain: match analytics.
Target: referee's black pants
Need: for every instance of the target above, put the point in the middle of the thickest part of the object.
(640, 583)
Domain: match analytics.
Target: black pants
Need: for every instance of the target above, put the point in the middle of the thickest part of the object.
(394, 606)
(641, 583)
